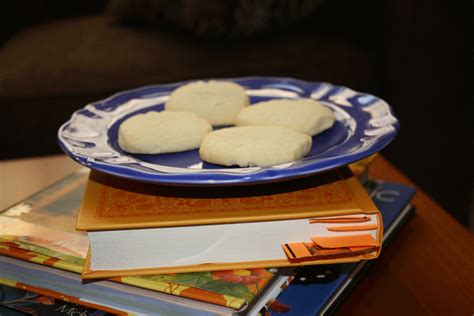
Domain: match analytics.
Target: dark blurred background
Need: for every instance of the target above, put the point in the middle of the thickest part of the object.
(57, 56)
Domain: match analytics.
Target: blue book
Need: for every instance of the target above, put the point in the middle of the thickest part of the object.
(319, 289)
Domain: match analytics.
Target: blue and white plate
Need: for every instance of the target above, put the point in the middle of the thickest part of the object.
(364, 125)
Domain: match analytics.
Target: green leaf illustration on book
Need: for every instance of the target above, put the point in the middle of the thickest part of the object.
(231, 289)
(197, 279)
(236, 283)
(157, 277)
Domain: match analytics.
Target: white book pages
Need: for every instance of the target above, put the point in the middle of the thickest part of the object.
(192, 245)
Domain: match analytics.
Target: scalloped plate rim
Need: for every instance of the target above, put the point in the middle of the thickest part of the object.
(213, 178)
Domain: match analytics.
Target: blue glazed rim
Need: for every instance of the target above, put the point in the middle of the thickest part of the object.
(352, 103)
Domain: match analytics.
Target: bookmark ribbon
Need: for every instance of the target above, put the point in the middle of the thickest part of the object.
(325, 247)
(348, 219)
(346, 241)
(306, 251)
(351, 228)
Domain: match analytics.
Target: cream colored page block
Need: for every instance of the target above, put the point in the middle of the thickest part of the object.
(222, 243)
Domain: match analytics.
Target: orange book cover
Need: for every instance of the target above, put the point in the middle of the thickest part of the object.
(112, 203)
(336, 198)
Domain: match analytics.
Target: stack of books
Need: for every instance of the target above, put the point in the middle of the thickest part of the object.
(98, 245)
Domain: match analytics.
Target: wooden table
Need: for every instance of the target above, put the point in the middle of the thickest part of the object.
(427, 269)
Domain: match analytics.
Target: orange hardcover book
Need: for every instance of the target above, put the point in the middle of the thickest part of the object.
(139, 229)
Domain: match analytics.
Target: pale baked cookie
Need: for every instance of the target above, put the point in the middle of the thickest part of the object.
(250, 146)
(218, 102)
(162, 132)
(302, 115)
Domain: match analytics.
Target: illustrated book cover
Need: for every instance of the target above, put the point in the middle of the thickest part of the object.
(25, 299)
(41, 229)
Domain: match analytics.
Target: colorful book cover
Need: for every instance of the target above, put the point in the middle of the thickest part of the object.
(41, 229)
(133, 300)
(318, 290)
(21, 298)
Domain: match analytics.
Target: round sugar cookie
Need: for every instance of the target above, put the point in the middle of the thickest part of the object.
(250, 146)
(218, 102)
(302, 115)
(162, 132)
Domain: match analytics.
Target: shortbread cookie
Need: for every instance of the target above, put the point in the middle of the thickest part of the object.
(162, 132)
(218, 102)
(250, 146)
(302, 115)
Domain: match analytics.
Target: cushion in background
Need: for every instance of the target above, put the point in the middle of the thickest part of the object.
(223, 18)
(50, 70)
